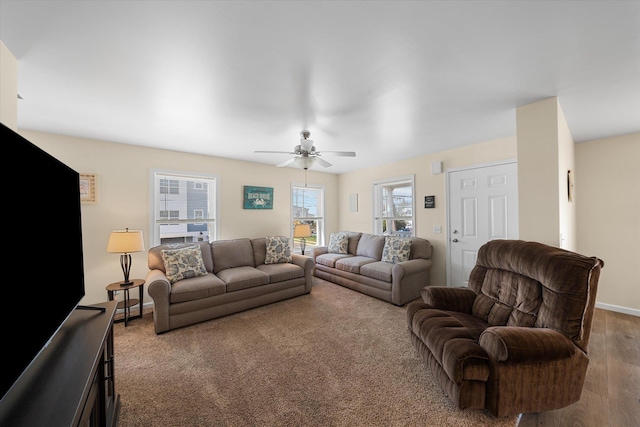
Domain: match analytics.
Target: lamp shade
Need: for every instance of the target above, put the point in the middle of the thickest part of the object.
(302, 230)
(125, 241)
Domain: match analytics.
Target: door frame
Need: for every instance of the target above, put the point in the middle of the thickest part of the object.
(448, 173)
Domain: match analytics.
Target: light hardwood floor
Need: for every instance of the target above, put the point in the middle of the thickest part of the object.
(611, 394)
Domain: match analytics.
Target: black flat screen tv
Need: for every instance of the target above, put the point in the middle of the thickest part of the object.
(44, 273)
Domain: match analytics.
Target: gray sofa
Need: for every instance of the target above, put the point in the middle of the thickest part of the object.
(363, 269)
(233, 275)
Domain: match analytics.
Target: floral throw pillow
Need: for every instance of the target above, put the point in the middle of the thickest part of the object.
(396, 249)
(278, 250)
(338, 243)
(183, 263)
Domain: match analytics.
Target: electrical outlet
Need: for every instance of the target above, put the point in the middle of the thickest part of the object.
(437, 229)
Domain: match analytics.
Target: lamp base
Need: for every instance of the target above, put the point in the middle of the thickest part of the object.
(125, 263)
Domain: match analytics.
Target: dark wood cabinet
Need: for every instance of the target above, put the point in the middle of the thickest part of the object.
(72, 381)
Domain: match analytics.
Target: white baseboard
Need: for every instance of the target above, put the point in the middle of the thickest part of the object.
(145, 306)
(617, 308)
(610, 307)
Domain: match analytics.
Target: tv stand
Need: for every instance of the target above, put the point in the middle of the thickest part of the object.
(91, 307)
(71, 382)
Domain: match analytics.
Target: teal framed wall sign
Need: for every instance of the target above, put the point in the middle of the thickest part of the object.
(258, 197)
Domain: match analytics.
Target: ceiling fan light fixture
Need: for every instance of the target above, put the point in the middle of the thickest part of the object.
(305, 162)
(305, 154)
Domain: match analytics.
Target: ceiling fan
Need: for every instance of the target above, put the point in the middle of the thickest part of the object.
(305, 154)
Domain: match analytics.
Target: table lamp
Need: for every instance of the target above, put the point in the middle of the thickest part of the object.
(125, 242)
(302, 231)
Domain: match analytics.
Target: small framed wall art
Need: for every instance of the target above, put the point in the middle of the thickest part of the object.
(258, 197)
(88, 192)
(429, 202)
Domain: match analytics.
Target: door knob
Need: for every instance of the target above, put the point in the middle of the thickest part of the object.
(454, 240)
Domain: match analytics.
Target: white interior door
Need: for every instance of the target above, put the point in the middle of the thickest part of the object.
(482, 206)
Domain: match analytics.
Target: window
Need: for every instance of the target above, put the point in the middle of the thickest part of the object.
(307, 207)
(394, 206)
(198, 214)
(169, 215)
(185, 207)
(169, 186)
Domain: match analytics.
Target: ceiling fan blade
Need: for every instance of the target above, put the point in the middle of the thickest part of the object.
(273, 152)
(337, 153)
(323, 162)
(286, 163)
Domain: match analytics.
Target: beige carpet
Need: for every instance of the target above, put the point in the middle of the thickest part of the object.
(334, 357)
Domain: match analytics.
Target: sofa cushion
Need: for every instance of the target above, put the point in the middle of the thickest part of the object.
(281, 272)
(338, 243)
(508, 299)
(420, 248)
(353, 264)
(452, 338)
(242, 278)
(197, 288)
(330, 259)
(370, 245)
(396, 249)
(354, 239)
(378, 270)
(278, 250)
(155, 261)
(232, 253)
(183, 263)
(259, 245)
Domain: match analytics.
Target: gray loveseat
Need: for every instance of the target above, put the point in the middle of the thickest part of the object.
(223, 277)
(361, 266)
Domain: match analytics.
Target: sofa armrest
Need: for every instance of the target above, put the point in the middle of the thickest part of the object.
(446, 298)
(408, 278)
(410, 267)
(307, 264)
(159, 289)
(319, 250)
(516, 344)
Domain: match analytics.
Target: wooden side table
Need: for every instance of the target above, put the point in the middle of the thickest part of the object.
(128, 302)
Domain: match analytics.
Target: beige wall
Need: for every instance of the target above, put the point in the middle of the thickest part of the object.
(538, 170)
(8, 88)
(361, 183)
(566, 163)
(123, 178)
(606, 200)
(607, 205)
(607, 196)
(546, 153)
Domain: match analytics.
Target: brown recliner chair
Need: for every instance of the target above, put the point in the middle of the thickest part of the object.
(515, 341)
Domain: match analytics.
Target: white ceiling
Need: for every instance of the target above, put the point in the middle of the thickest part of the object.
(387, 79)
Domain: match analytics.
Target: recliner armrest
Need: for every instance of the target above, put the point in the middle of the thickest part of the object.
(446, 298)
(517, 344)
